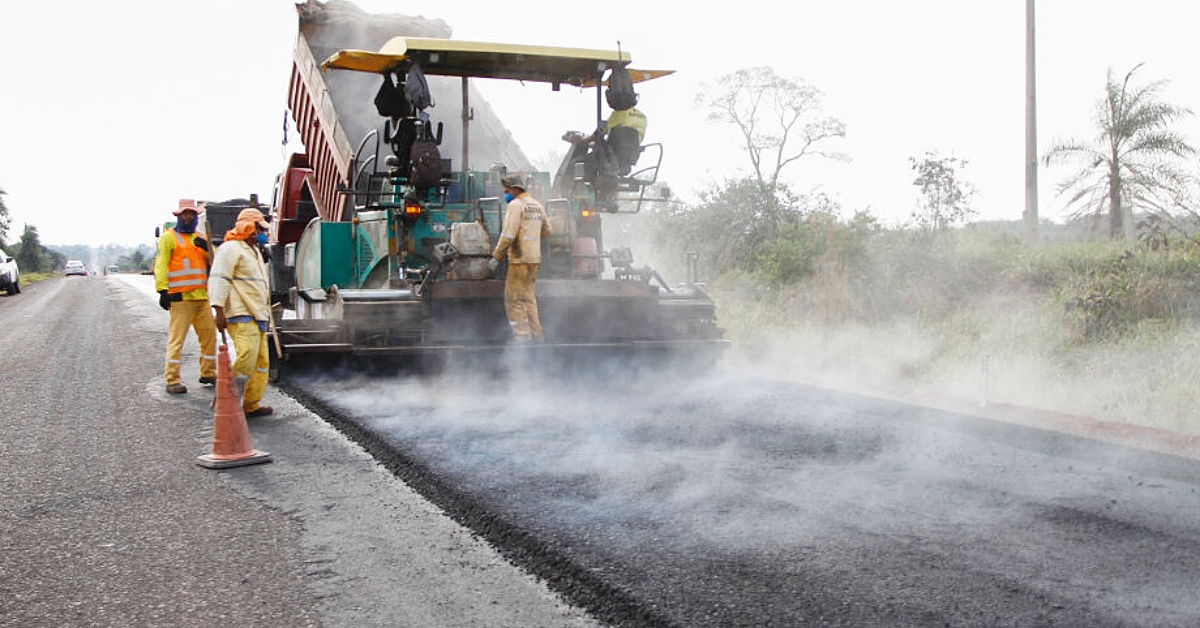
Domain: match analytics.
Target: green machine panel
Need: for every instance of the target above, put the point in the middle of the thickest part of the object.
(337, 255)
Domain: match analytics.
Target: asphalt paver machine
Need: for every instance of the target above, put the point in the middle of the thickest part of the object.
(368, 261)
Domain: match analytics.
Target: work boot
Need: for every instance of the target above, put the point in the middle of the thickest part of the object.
(260, 411)
(176, 388)
(208, 381)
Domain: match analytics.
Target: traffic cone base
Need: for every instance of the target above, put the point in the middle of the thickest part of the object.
(212, 462)
(231, 435)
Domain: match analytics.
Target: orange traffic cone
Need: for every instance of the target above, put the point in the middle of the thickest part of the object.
(231, 436)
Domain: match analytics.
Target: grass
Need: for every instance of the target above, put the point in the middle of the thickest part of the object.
(1103, 330)
(30, 278)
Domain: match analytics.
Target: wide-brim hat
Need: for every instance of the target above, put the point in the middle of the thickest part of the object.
(253, 215)
(186, 204)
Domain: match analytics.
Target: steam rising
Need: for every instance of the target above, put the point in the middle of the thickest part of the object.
(733, 461)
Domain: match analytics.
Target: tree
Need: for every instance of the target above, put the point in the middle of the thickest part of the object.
(774, 114)
(138, 261)
(29, 258)
(4, 219)
(729, 224)
(945, 199)
(1129, 163)
(52, 260)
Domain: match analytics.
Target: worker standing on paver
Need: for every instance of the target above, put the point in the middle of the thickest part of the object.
(241, 301)
(525, 224)
(181, 278)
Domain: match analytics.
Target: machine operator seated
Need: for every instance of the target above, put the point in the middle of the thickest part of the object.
(610, 151)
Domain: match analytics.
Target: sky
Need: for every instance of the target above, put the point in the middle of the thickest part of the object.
(113, 111)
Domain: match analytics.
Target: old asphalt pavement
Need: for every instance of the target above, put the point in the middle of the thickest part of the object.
(106, 520)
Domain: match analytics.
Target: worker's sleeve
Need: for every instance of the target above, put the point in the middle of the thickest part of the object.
(162, 261)
(508, 232)
(220, 278)
(545, 224)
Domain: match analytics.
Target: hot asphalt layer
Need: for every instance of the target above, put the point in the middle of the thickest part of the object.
(734, 501)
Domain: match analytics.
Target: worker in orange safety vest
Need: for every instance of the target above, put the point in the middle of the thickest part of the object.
(181, 278)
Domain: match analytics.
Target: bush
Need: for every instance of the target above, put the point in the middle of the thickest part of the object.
(1087, 328)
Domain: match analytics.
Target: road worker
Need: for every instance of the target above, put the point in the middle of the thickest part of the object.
(624, 132)
(180, 277)
(241, 301)
(613, 150)
(525, 224)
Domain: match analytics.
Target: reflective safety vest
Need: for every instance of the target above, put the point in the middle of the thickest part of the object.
(188, 268)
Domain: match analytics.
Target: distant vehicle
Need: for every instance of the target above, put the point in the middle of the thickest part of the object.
(76, 267)
(111, 270)
(10, 280)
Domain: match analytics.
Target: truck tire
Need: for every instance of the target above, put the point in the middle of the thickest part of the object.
(14, 287)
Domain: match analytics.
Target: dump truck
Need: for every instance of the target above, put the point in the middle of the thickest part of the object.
(372, 260)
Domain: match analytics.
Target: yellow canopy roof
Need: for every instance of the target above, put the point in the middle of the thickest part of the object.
(451, 57)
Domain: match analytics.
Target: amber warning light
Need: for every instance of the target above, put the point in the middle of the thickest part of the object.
(412, 209)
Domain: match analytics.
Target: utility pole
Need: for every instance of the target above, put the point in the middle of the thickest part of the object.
(1031, 154)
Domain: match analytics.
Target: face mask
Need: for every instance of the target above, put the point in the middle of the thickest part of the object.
(262, 238)
(186, 225)
(508, 198)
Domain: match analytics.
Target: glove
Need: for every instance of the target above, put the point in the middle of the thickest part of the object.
(164, 300)
(201, 243)
(493, 264)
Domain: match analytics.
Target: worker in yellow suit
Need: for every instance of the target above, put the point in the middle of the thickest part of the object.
(241, 300)
(525, 224)
(180, 277)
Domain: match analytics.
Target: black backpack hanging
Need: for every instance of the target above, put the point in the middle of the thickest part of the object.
(390, 102)
(425, 160)
(620, 94)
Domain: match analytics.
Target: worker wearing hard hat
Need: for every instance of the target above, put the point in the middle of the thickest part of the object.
(525, 224)
(180, 277)
(241, 300)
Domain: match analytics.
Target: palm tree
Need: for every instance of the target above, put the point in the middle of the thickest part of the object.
(1130, 161)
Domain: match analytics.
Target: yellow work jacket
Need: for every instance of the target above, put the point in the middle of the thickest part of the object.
(525, 224)
(181, 267)
(239, 281)
(628, 117)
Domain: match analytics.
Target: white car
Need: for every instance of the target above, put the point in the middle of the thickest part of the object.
(10, 280)
(76, 267)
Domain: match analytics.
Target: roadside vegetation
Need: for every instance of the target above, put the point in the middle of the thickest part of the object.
(1091, 328)
(38, 261)
(1100, 317)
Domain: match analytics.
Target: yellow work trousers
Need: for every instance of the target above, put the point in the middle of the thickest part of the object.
(195, 315)
(253, 360)
(520, 302)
